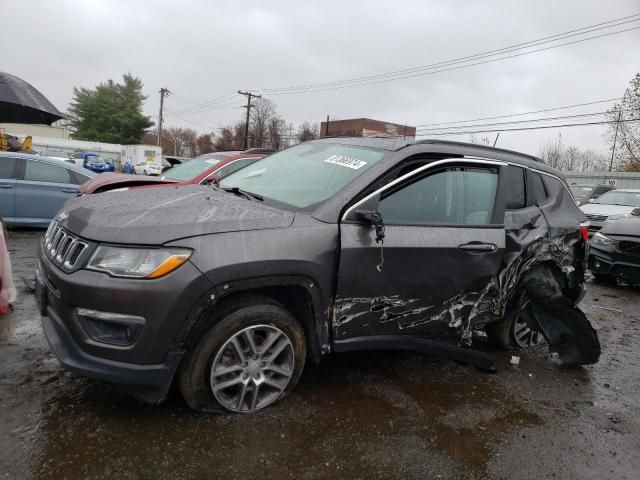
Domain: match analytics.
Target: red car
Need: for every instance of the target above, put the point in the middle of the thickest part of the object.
(204, 169)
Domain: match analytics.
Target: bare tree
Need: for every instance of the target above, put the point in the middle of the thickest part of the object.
(224, 140)
(552, 152)
(205, 143)
(180, 141)
(624, 128)
(275, 131)
(308, 131)
(261, 115)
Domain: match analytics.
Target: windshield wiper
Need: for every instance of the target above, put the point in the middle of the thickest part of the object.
(244, 193)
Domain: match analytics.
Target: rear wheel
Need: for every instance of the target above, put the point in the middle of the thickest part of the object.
(251, 358)
(515, 332)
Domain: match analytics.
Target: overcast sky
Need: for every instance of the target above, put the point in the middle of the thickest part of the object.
(203, 50)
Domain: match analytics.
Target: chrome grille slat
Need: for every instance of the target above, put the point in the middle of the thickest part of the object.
(63, 248)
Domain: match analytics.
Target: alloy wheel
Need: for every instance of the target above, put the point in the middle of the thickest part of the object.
(252, 369)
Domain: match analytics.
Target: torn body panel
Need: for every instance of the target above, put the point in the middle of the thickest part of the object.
(541, 253)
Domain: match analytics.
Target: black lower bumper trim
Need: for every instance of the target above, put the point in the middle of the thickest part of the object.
(482, 361)
(154, 380)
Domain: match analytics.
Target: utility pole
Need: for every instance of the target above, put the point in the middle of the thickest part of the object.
(326, 130)
(615, 140)
(163, 93)
(249, 96)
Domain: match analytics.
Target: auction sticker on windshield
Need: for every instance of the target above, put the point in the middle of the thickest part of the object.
(348, 162)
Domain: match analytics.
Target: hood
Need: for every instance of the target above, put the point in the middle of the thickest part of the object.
(604, 209)
(627, 226)
(155, 216)
(107, 182)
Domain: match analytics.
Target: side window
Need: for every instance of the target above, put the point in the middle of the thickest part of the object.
(78, 178)
(46, 172)
(537, 191)
(453, 196)
(234, 166)
(513, 182)
(8, 167)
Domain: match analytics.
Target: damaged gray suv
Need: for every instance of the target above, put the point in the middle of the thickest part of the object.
(333, 245)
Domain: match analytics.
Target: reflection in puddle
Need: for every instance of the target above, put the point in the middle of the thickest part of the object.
(357, 415)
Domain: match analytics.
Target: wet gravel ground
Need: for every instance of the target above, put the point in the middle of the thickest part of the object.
(362, 415)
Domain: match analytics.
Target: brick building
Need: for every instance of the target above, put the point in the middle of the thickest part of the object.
(365, 127)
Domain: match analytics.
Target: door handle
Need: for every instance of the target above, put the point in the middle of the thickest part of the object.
(70, 190)
(6, 185)
(478, 247)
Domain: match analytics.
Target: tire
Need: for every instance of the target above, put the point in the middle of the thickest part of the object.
(255, 378)
(513, 333)
(144, 172)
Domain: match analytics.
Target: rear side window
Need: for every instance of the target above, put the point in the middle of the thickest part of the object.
(514, 187)
(78, 178)
(8, 167)
(537, 191)
(46, 172)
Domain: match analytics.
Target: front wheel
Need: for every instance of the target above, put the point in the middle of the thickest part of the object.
(248, 360)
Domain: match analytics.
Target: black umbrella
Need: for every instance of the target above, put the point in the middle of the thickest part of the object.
(21, 103)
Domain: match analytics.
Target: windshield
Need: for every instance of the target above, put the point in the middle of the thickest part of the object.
(305, 174)
(580, 190)
(93, 159)
(631, 199)
(190, 170)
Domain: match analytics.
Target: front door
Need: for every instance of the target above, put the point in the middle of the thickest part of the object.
(443, 247)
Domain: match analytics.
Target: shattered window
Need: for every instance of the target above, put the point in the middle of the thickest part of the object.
(513, 181)
(456, 196)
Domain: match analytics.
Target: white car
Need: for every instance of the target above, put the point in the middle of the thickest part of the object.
(147, 169)
(610, 206)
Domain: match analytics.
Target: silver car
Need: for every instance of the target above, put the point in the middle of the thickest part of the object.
(33, 188)
(615, 203)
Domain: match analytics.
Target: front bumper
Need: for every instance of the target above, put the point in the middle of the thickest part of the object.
(149, 363)
(150, 382)
(608, 260)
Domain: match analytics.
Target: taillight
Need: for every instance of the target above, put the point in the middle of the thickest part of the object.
(584, 230)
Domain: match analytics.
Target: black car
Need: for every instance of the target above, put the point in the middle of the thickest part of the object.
(329, 246)
(614, 251)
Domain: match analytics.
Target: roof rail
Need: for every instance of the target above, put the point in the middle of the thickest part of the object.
(482, 147)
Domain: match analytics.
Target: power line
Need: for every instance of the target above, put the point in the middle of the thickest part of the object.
(522, 113)
(203, 106)
(539, 41)
(541, 127)
(515, 122)
(392, 76)
(189, 121)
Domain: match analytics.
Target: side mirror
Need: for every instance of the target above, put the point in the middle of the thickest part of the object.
(636, 212)
(213, 180)
(369, 217)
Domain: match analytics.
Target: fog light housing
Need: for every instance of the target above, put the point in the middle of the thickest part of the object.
(111, 328)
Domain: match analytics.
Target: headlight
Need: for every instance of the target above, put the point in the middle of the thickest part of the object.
(600, 239)
(137, 262)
